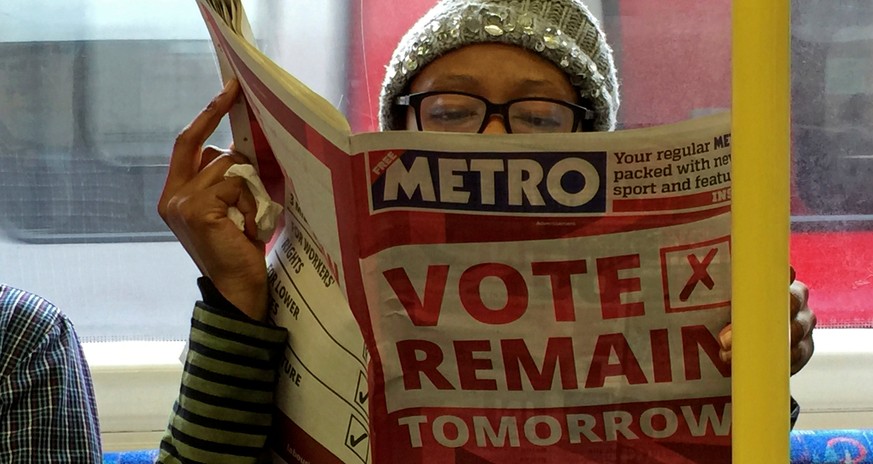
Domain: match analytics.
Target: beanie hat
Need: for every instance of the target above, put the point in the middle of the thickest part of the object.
(562, 31)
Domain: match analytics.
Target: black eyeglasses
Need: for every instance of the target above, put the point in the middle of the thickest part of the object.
(464, 112)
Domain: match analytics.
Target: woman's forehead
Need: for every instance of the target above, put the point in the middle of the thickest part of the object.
(495, 69)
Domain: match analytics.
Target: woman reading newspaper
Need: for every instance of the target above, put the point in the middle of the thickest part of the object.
(496, 78)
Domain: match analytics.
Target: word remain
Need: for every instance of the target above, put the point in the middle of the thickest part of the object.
(469, 365)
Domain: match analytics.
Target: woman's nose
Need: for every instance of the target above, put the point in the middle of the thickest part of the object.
(495, 125)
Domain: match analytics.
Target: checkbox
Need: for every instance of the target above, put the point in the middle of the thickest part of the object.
(358, 438)
(696, 276)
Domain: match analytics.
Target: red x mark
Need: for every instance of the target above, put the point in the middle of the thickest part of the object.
(700, 274)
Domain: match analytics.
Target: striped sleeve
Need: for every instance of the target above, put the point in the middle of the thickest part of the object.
(224, 410)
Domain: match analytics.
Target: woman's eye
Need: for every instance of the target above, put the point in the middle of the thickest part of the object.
(451, 114)
(536, 120)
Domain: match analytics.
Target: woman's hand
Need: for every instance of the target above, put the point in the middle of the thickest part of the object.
(802, 323)
(801, 326)
(194, 204)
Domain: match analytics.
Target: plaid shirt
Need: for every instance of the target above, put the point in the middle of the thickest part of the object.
(47, 409)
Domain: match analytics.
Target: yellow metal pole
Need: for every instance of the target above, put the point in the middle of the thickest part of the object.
(761, 99)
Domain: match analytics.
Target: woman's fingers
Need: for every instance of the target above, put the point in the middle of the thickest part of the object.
(799, 296)
(725, 342)
(185, 160)
(802, 318)
(206, 211)
(801, 354)
(234, 192)
(213, 173)
(210, 154)
(803, 322)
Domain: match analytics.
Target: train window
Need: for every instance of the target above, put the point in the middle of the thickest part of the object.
(85, 149)
(93, 94)
(832, 112)
(833, 101)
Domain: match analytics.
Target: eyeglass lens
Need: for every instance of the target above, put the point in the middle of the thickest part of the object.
(463, 113)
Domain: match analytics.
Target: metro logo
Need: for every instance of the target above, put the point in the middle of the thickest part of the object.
(504, 182)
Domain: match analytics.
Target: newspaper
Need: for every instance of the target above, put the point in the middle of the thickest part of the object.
(472, 298)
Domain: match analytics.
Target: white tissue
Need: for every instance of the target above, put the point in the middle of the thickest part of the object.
(268, 210)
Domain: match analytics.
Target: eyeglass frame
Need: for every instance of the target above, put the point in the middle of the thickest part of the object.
(581, 114)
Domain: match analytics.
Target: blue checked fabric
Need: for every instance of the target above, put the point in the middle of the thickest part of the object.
(47, 409)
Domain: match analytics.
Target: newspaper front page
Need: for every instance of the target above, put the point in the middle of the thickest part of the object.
(475, 299)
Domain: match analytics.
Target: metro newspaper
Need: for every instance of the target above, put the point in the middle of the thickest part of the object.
(480, 299)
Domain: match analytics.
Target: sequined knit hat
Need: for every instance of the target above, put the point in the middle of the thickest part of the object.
(562, 31)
